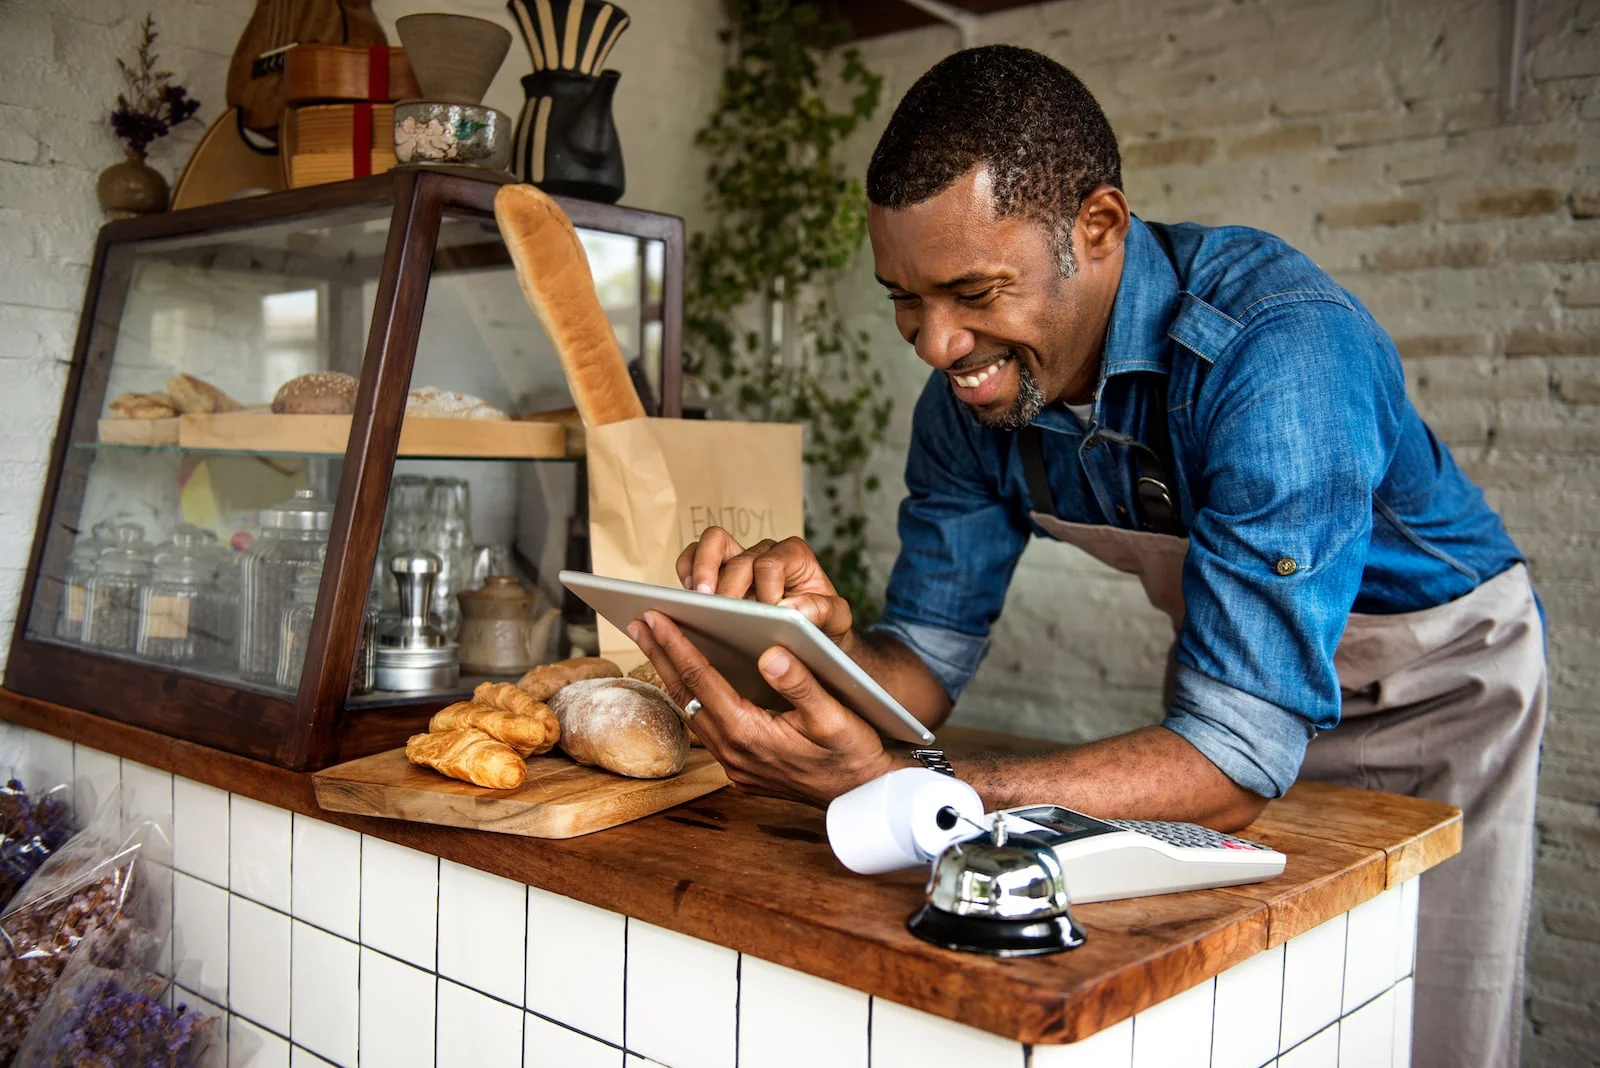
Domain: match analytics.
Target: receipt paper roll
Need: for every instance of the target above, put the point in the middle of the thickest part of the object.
(894, 821)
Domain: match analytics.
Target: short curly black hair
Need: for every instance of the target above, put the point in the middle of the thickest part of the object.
(1028, 119)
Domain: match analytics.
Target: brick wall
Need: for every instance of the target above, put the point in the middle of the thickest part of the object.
(1367, 133)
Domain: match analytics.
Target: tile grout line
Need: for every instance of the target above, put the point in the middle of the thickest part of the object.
(527, 939)
(438, 925)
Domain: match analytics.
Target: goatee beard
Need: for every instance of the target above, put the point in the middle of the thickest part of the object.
(1029, 403)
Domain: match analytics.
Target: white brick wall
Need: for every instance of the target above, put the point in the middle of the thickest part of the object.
(1319, 121)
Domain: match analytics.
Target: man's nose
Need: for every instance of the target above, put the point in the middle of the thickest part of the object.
(941, 339)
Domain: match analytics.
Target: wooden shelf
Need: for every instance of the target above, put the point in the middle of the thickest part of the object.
(317, 435)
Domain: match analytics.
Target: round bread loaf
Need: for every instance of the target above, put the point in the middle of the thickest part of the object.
(318, 393)
(622, 725)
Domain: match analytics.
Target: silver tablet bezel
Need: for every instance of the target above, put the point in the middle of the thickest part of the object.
(732, 634)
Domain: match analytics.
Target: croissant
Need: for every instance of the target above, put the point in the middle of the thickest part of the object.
(469, 755)
(508, 696)
(529, 733)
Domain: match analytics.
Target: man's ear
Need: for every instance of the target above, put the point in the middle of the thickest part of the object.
(1102, 222)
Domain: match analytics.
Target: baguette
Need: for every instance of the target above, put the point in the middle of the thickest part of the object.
(528, 734)
(554, 274)
(469, 755)
(546, 680)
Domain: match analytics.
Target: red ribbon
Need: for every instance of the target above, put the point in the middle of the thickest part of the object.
(361, 132)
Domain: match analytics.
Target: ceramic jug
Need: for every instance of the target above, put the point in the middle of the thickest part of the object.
(504, 630)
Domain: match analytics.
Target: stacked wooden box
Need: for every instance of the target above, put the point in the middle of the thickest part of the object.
(339, 122)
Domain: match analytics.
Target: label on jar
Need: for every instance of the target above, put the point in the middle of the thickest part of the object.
(77, 596)
(166, 617)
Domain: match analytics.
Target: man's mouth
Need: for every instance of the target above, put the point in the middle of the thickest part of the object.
(981, 385)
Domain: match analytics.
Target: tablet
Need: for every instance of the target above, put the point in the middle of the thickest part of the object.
(732, 634)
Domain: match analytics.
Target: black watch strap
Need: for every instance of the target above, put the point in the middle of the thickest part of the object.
(934, 760)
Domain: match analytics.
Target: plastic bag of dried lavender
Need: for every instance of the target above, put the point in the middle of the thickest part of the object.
(96, 881)
(109, 1010)
(32, 826)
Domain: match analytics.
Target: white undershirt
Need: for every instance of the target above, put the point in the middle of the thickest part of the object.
(1084, 412)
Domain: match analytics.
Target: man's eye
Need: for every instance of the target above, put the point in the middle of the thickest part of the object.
(974, 298)
(903, 298)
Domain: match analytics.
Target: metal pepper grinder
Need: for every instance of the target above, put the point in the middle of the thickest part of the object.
(413, 654)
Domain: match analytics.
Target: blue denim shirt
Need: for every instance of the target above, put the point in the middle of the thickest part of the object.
(1292, 438)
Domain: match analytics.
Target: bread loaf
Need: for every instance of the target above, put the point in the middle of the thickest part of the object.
(430, 402)
(647, 674)
(317, 393)
(142, 406)
(469, 755)
(622, 725)
(554, 274)
(544, 681)
(528, 733)
(196, 396)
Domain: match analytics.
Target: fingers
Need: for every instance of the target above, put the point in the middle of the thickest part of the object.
(723, 712)
(819, 715)
(737, 573)
(699, 565)
(830, 614)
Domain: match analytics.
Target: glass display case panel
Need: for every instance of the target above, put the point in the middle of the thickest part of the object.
(190, 520)
(498, 506)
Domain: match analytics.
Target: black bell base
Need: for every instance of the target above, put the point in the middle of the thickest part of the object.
(996, 938)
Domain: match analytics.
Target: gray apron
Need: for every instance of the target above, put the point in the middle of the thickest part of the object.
(1447, 703)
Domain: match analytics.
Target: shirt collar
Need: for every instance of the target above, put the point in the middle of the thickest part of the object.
(1147, 300)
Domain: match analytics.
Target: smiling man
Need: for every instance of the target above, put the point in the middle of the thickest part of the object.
(1204, 408)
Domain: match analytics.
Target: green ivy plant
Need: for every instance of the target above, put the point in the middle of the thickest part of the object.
(787, 219)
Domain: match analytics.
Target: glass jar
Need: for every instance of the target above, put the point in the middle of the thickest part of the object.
(404, 526)
(296, 637)
(449, 537)
(178, 608)
(297, 620)
(111, 610)
(293, 534)
(75, 583)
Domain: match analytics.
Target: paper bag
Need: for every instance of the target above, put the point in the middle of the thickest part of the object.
(655, 484)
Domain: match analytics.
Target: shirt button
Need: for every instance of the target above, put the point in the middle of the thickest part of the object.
(1286, 566)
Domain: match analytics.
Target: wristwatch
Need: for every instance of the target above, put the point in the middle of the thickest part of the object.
(934, 760)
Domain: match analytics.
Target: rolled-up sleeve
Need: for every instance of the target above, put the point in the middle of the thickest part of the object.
(959, 542)
(1296, 424)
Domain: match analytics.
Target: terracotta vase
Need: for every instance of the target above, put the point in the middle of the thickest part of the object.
(131, 187)
(454, 57)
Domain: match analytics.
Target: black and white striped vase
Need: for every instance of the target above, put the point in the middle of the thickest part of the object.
(566, 142)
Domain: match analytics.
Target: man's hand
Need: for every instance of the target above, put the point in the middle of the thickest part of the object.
(813, 753)
(784, 572)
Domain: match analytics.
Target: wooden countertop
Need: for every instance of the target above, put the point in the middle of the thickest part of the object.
(756, 875)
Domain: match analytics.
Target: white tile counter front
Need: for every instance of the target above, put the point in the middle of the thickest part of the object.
(318, 945)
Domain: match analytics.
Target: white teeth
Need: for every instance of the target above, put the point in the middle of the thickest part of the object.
(972, 381)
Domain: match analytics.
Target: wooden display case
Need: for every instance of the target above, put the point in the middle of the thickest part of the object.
(393, 279)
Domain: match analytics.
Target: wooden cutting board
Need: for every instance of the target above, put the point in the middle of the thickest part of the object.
(560, 799)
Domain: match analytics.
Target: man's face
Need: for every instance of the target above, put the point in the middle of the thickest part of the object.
(984, 300)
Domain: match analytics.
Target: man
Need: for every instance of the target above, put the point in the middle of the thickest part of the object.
(1209, 410)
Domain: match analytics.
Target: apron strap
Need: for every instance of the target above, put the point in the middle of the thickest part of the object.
(1032, 449)
(1152, 490)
